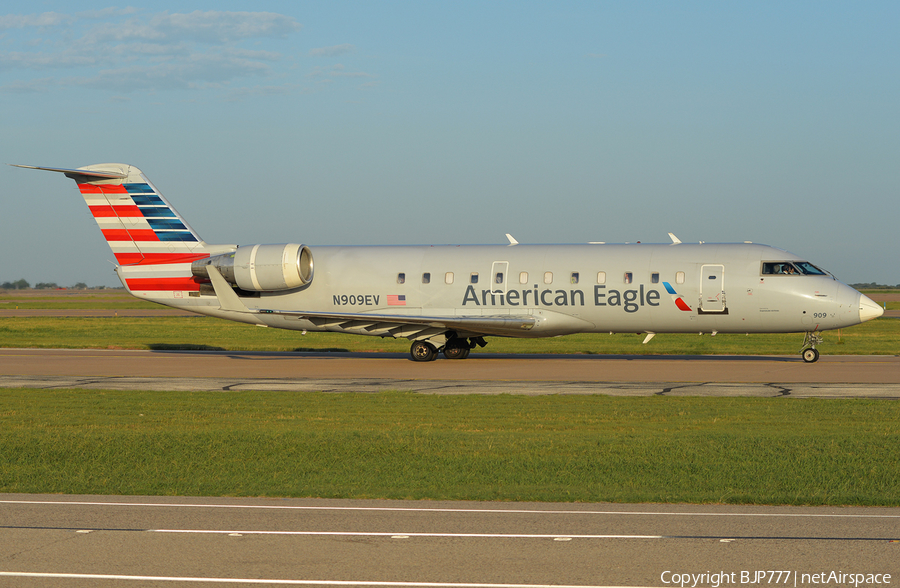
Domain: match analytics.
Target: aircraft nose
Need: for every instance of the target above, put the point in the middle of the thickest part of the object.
(868, 309)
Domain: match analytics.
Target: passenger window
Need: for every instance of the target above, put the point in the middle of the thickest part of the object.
(401, 278)
(601, 277)
(523, 277)
(548, 277)
(474, 278)
(448, 278)
(654, 278)
(679, 277)
(627, 277)
(574, 277)
(426, 278)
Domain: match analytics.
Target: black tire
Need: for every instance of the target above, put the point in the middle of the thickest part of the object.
(422, 351)
(810, 355)
(456, 352)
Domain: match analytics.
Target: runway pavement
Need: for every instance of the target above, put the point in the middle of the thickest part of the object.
(831, 376)
(75, 541)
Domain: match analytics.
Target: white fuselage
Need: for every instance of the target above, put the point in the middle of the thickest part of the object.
(568, 288)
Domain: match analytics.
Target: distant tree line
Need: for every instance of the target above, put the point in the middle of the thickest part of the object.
(874, 286)
(20, 285)
(24, 285)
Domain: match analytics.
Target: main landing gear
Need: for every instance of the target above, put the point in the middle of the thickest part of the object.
(808, 350)
(457, 349)
(423, 351)
(454, 348)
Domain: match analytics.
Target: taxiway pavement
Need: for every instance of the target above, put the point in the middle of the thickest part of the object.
(831, 376)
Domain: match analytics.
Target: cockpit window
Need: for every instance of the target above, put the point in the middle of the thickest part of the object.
(783, 268)
(808, 268)
(791, 268)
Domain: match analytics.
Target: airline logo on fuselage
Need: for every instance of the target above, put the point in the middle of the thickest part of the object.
(628, 300)
(679, 301)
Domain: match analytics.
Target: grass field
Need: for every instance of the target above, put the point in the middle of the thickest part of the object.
(70, 299)
(877, 337)
(881, 336)
(399, 445)
(120, 298)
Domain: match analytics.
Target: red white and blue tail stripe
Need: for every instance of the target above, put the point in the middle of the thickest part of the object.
(138, 224)
(153, 244)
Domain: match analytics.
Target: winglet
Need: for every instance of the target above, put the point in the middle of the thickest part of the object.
(675, 240)
(512, 240)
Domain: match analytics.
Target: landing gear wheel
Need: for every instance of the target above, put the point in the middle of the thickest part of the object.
(422, 351)
(456, 349)
(453, 352)
(808, 349)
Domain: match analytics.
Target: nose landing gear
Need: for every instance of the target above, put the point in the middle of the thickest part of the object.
(808, 350)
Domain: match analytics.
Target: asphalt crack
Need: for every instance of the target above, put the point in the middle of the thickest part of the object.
(668, 389)
(782, 390)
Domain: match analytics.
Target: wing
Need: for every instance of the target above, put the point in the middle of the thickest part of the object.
(383, 324)
(413, 326)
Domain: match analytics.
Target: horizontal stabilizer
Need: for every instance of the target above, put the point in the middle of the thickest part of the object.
(83, 173)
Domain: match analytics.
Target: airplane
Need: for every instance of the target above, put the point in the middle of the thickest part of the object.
(447, 299)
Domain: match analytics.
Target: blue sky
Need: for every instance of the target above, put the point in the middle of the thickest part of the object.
(456, 122)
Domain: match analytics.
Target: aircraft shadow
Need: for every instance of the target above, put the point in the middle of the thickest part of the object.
(183, 347)
(339, 353)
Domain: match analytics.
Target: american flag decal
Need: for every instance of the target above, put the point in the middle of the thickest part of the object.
(394, 300)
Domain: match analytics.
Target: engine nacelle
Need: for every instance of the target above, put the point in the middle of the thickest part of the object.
(262, 268)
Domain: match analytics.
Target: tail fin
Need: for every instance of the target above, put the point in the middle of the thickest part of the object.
(153, 244)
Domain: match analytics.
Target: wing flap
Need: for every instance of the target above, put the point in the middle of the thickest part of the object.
(413, 326)
(395, 325)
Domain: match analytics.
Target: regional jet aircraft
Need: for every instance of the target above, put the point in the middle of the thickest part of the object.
(447, 299)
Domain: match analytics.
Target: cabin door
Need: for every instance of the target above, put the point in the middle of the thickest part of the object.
(712, 288)
(499, 277)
